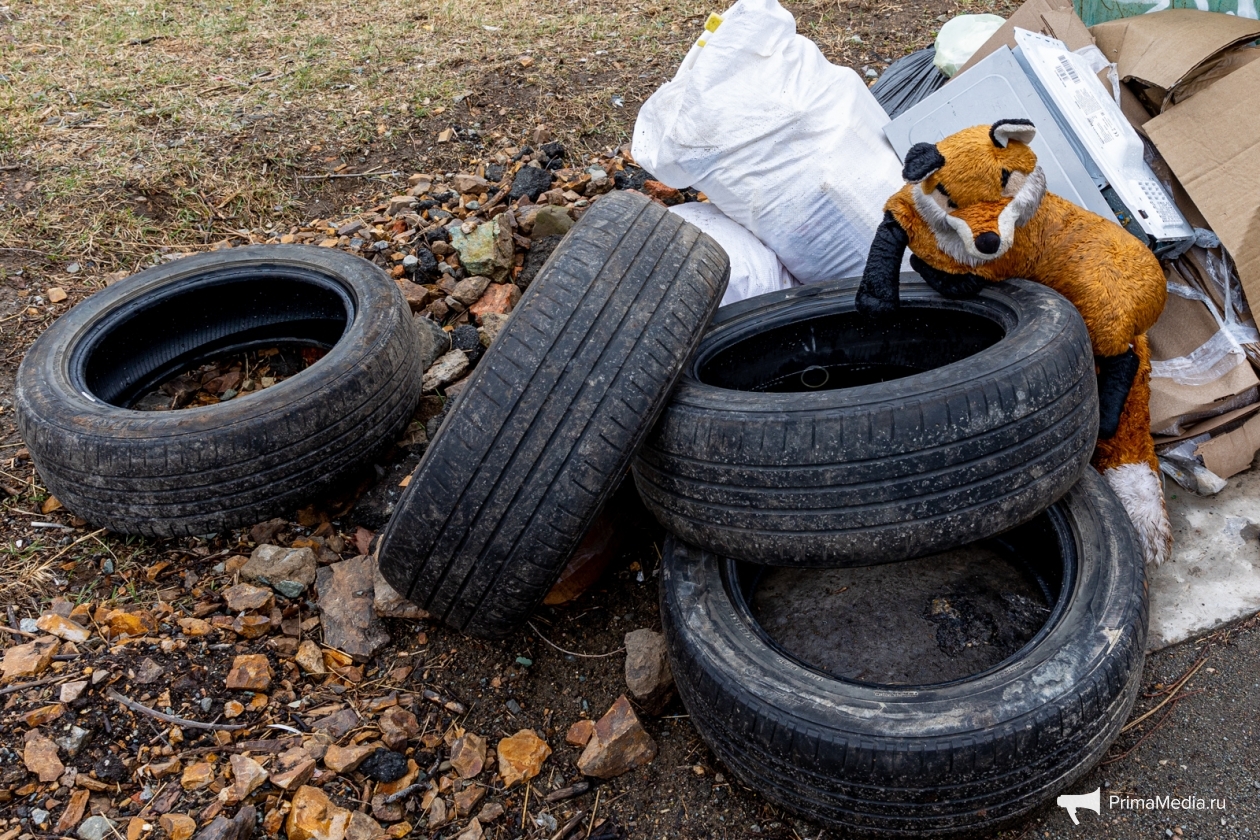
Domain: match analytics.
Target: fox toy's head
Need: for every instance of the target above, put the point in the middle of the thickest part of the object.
(975, 187)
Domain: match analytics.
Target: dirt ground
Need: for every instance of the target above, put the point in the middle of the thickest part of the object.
(135, 128)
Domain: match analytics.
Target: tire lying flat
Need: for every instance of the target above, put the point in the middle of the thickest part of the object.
(904, 761)
(201, 470)
(544, 430)
(887, 471)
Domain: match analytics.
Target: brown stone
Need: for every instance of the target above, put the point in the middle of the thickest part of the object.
(470, 289)
(470, 184)
(43, 715)
(467, 799)
(250, 672)
(490, 812)
(363, 827)
(647, 669)
(398, 726)
(284, 569)
(346, 591)
(292, 769)
(472, 831)
(247, 776)
(30, 659)
(122, 623)
(62, 628)
(664, 194)
(346, 759)
(196, 776)
(310, 658)
(177, 826)
(195, 627)
(388, 603)
(313, 816)
(468, 755)
(618, 744)
(74, 811)
(162, 769)
(417, 296)
(72, 691)
(251, 626)
(337, 724)
(499, 299)
(438, 814)
(245, 596)
(40, 757)
(580, 733)
(521, 757)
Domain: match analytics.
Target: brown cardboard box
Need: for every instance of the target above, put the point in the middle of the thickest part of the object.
(1234, 439)
(1211, 142)
(1166, 49)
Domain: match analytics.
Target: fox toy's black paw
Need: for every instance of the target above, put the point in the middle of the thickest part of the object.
(950, 285)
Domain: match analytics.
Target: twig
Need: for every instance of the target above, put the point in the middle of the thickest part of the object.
(407, 791)
(45, 681)
(575, 653)
(569, 826)
(178, 721)
(1180, 684)
(17, 632)
(591, 826)
(76, 542)
(1148, 733)
(371, 173)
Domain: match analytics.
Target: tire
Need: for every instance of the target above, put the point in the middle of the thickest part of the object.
(921, 761)
(205, 469)
(546, 427)
(899, 468)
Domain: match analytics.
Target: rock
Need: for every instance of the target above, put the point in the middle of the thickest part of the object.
(30, 659)
(472, 831)
(62, 628)
(398, 726)
(292, 769)
(72, 691)
(481, 252)
(470, 184)
(499, 299)
(660, 192)
(346, 759)
(56, 294)
(111, 768)
(247, 776)
(123, 623)
(437, 813)
(521, 757)
(539, 250)
(250, 672)
(194, 627)
(445, 370)
(177, 826)
(399, 204)
(73, 740)
(363, 827)
(251, 626)
(265, 532)
(467, 799)
(530, 181)
(490, 812)
(618, 744)
(434, 341)
(43, 715)
(417, 296)
(384, 766)
(491, 324)
(239, 827)
(647, 669)
(468, 755)
(468, 290)
(310, 657)
(244, 596)
(346, 592)
(149, 672)
(389, 604)
(96, 828)
(551, 221)
(197, 776)
(271, 565)
(313, 816)
(338, 724)
(40, 757)
(580, 733)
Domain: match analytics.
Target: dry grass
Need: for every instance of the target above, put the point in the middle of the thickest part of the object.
(129, 126)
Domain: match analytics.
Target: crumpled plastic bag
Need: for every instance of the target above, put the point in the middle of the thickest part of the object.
(960, 38)
(785, 143)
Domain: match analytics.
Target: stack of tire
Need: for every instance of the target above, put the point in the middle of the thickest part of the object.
(748, 454)
(786, 430)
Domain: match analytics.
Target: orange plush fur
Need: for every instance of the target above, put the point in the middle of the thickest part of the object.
(1113, 279)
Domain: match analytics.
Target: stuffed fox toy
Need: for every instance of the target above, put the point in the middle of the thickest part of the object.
(975, 210)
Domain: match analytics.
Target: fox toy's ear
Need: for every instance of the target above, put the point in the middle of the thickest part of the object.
(1004, 131)
(921, 161)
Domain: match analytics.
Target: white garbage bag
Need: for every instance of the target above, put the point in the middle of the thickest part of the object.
(755, 270)
(785, 143)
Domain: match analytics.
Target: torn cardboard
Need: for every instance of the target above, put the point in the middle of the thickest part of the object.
(1230, 441)
(1163, 49)
(1211, 142)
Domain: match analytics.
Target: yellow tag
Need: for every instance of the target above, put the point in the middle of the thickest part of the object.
(713, 22)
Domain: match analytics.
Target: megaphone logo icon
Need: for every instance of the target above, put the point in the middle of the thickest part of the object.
(1070, 802)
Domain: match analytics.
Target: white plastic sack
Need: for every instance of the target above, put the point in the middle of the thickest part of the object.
(755, 270)
(785, 143)
(960, 38)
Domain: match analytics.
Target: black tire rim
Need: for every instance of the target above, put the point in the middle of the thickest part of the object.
(315, 308)
(1056, 582)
